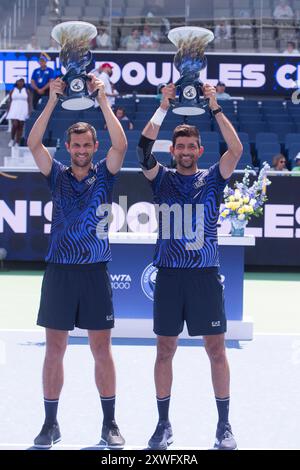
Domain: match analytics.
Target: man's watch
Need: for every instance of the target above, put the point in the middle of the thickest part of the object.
(216, 111)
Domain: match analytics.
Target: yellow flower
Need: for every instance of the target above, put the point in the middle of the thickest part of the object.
(241, 210)
(231, 198)
(225, 213)
(248, 209)
(237, 194)
(246, 199)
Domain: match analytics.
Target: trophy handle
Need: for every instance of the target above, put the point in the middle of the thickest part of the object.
(95, 93)
(64, 79)
(160, 86)
(206, 100)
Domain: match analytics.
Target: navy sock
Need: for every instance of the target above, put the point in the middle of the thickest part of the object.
(50, 411)
(108, 407)
(163, 408)
(223, 409)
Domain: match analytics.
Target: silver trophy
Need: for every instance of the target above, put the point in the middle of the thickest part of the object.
(74, 38)
(189, 60)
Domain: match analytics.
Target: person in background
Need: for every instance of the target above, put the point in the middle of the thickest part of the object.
(291, 49)
(283, 11)
(152, 8)
(40, 79)
(149, 40)
(132, 41)
(124, 120)
(222, 31)
(296, 167)
(19, 110)
(33, 45)
(279, 163)
(102, 40)
(221, 95)
(104, 73)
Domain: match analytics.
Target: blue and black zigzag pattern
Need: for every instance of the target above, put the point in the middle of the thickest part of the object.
(73, 237)
(206, 188)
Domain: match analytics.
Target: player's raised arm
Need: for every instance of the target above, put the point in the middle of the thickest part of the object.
(230, 158)
(147, 160)
(40, 153)
(116, 154)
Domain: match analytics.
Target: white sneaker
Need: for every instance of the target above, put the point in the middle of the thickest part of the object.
(11, 143)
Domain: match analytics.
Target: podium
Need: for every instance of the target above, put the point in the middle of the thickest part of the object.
(133, 280)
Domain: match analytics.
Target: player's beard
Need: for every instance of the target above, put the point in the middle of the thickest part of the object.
(82, 161)
(186, 163)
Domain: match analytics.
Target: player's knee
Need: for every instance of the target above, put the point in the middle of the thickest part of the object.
(55, 352)
(216, 351)
(101, 350)
(165, 351)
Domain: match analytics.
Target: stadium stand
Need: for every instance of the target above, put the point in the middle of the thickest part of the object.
(263, 134)
(252, 23)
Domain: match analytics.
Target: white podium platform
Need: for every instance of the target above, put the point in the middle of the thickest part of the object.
(133, 314)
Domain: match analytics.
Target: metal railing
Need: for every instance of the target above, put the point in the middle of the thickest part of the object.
(13, 22)
(3, 101)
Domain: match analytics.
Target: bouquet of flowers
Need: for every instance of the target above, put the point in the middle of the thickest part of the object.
(243, 202)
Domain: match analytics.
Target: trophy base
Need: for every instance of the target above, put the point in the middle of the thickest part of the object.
(78, 104)
(188, 110)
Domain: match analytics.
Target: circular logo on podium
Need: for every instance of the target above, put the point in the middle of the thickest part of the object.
(189, 92)
(148, 281)
(77, 85)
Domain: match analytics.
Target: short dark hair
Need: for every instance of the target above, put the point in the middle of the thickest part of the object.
(81, 128)
(20, 80)
(185, 130)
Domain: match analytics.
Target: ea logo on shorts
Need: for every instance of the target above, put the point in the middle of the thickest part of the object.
(77, 85)
(148, 281)
(189, 92)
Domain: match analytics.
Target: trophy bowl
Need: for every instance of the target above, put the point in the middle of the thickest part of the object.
(74, 38)
(189, 60)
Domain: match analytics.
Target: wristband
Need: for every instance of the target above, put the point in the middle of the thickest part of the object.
(158, 116)
(216, 111)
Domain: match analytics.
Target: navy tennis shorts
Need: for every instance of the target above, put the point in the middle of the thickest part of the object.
(76, 295)
(194, 296)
